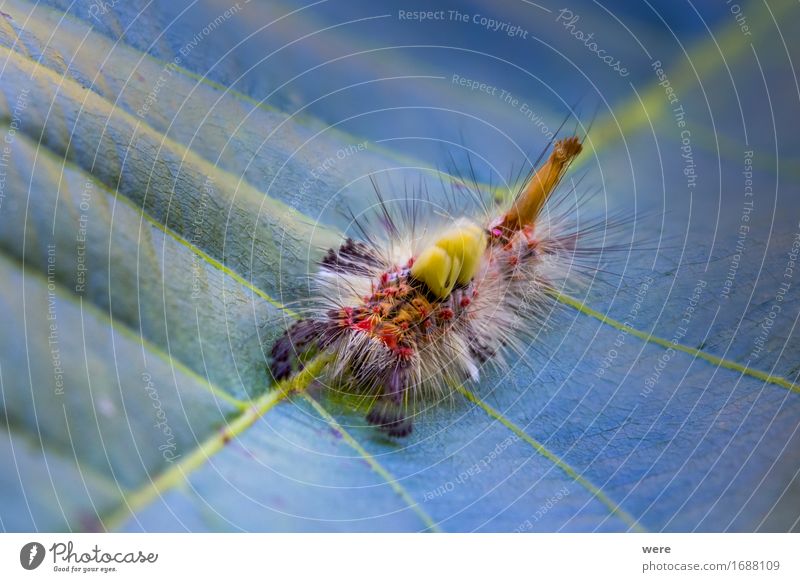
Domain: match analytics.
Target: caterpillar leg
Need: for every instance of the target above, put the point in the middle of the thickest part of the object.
(389, 412)
(302, 337)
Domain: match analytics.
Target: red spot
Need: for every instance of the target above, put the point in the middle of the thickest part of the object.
(513, 261)
(427, 324)
(376, 309)
(345, 316)
(475, 293)
(404, 352)
(389, 339)
(410, 262)
(446, 314)
(465, 301)
(364, 325)
(384, 278)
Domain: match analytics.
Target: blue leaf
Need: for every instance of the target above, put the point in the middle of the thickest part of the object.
(173, 172)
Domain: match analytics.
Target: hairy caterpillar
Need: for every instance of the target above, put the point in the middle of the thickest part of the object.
(406, 314)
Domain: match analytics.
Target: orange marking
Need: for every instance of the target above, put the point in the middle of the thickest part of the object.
(530, 201)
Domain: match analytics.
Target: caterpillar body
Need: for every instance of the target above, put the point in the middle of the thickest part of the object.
(405, 315)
